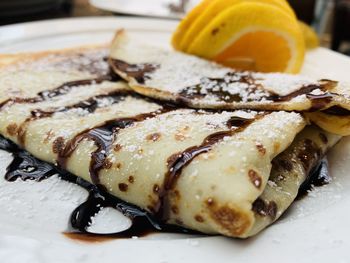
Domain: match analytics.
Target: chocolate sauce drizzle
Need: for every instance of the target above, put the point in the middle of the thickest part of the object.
(337, 111)
(319, 176)
(90, 62)
(103, 136)
(60, 90)
(216, 87)
(24, 166)
(309, 155)
(264, 208)
(90, 105)
(137, 71)
(177, 162)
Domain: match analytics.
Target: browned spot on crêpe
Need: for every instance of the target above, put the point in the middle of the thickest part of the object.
(58, 145)
(21, 133)
(323, 138)
(233, 221)
(156, 189)
(174, 209)
(276, 146)
(140, 151)
(118, 165)
(179, 137)
(131, 179)
(210, 201)
(199, 218)
(117, 148)
(263, 208)
(12, 129)
(107, 164)
(255, 178)
(123, 187)
(260, 148)
(177, 194)
(49, 135)
(153, 137)
(153, 203)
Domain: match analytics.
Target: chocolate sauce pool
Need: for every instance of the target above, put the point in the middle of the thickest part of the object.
(26, 167)
(319, 176)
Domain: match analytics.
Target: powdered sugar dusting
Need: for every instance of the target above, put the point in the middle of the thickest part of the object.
(91, 61)
(282, 84)
(179, 71)
(201, 83)
(234, 87)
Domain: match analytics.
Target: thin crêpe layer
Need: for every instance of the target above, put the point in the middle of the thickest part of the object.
(198, 83)
(25, 75)
(207, 171)
(290, 170)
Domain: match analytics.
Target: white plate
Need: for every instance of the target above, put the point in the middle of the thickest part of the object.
(315, 229)
(154, 8)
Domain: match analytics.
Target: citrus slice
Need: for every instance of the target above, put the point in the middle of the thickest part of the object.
(252, 36)
(187, 21)
(198, 18)
(310, 36)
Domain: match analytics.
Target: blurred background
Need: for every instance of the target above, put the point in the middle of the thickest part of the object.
(329, 18)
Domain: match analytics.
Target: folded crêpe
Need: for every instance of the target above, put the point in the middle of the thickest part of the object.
(227, 172)
(198, 83)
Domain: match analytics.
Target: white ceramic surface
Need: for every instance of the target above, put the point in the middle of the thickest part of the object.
(153, 8)
(34, 215)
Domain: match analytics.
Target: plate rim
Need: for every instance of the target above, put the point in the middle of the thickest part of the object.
(30, 30)
(100, 4)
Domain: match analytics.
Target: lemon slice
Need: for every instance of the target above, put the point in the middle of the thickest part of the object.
(310, 36)
(198, 18)
(187, 21)
(252, 36)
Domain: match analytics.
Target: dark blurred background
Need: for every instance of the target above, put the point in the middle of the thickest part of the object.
(330, 18)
